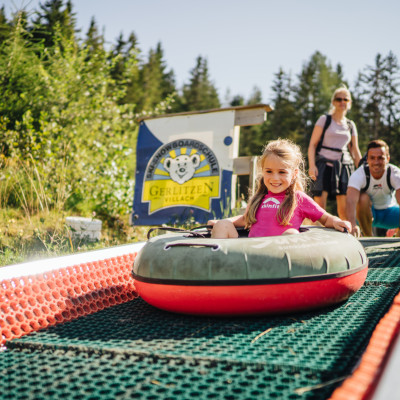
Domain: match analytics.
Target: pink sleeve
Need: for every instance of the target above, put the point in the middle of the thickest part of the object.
(309, 207)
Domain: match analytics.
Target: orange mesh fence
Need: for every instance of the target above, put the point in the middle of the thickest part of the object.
(33, 302)
(362, 383)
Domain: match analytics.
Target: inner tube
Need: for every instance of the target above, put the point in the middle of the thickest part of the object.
(200, 275)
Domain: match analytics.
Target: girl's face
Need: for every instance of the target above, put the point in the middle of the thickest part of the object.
(277, 176)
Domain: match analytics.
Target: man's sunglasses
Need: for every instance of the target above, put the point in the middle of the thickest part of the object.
(342, 99)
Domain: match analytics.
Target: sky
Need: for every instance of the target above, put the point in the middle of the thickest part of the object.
(246, 42)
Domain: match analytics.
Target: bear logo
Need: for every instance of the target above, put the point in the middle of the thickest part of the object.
(182, 168)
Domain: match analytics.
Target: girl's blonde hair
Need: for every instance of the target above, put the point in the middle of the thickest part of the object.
(341, 89)
(292, 158)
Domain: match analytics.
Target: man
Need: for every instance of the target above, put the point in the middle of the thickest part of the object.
(373, 192)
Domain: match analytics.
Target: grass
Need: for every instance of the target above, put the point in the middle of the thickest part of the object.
(45, 234)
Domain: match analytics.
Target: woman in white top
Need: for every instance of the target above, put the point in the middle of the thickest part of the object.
(332, 152)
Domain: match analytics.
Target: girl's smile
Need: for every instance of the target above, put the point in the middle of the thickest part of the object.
(277, 175)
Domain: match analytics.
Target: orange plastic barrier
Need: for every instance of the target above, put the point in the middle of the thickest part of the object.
(361, 385)
(33, 302)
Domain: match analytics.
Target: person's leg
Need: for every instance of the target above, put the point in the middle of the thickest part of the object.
(364, 214)
(224, 229)
(388, 218)
(321, 200)
(341, 206)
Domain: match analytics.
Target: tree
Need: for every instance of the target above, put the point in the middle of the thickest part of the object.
(157, 83)
(125, 69)
(5, 27)
(21, 80)
(255, 96)
(285, 120)
(317, 82)
(200, 93)
(55, 19)
(237, 100)
(94, 41)
(377, 100)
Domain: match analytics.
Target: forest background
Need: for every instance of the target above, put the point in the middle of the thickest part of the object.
(68, 122)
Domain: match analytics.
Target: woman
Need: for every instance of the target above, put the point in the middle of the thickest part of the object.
(330, 161)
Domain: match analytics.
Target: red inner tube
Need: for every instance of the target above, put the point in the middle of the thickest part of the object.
(251, 299)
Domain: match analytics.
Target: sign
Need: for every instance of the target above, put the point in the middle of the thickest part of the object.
(184, 168)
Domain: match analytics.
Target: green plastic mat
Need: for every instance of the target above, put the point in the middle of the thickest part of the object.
(136, 351)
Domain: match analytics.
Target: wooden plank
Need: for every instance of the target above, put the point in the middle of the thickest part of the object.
(241, 165)
(245, 165)
(255, 116)
(265, 107)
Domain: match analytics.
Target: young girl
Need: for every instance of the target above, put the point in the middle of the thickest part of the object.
(279, 205)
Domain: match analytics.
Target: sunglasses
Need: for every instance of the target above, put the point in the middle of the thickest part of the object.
(342, 99)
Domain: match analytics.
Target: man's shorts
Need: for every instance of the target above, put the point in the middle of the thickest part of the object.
(387, 218)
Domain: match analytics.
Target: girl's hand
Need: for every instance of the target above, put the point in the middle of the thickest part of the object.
(212, 222)
(355, 231)
(313, 173)
(341, 225)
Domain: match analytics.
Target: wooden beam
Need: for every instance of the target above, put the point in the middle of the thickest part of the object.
(255, 116)
(265, 107)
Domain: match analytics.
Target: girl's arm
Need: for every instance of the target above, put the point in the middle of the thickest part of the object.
(237, 221)
(355, 151)
(330, 221)
(312, 148)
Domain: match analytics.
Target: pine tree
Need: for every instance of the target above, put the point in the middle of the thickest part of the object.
(157, 83)
(200, 93)
(54, 19)
(391, 111)
(378, 98)
(285, 120)
(255, 96)
(237, 100)
(94, 41)
(5, 28)
(21, 79)
(252, 138)
(317, 81)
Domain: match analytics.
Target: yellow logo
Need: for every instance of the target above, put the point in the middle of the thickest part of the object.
(182, 173)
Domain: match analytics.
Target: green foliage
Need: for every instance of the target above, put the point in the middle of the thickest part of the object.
(46, 235)
(21, 81)
(77, 132)
(377, 102)
(54, 18)
(157, 84)
(5, 27)
(200, 93)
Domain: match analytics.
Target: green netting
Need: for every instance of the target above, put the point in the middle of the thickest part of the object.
(384, 266)
(136, 351)
(319, 341)
(78, 375)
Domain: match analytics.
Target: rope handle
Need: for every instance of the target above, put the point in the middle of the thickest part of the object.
(171, 229)
(213, 246)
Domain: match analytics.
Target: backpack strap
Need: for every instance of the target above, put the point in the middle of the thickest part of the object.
(388, 173)
(368, 178)
(350, 125)
(326, 126)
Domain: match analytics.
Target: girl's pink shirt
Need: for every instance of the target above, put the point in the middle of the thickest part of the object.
(267, 223)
